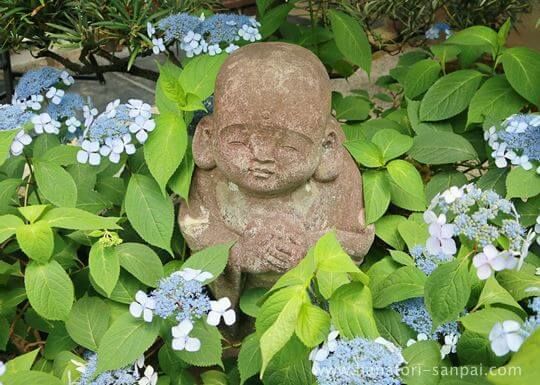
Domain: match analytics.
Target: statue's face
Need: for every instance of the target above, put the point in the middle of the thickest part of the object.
(266, 159)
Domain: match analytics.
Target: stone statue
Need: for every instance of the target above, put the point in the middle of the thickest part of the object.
(272, 173)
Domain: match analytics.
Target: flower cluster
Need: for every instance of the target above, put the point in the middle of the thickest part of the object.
(470, 212)
(516, 142)
(15, 118)
(433, 33)
(110, 133)
(426, 261)
(198, 35)
(130, 375)
(38, 81)
(413, 313)
(358, 362)
(182, 297)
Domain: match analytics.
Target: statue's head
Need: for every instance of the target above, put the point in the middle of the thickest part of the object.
(272, 128)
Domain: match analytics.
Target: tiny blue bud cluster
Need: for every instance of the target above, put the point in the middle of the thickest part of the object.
(360, 362)
(516, 142)
(434, 32)
(13, 117)
(124, 376)
(37, 81)
(427, 262)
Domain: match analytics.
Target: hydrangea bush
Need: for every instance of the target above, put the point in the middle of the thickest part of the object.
(97, 286)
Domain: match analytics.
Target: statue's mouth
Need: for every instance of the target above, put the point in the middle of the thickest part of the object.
(260, 172)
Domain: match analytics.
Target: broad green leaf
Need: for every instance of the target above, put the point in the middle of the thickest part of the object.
(445, 52)
(300, 275)
(331, 257)
(165, 147)
(523, 72)
(494, 293)
(351, 39)
(475, 349)
(77, 219)
(290, 366)
(420, 76)
(391, 327)
(328, 282)
(88, 321)
(482, 321)
(351, 309)
(211, 350)
(213, 260)
(199, 75)
(31, 377)
(423, 358)
(406, 186)
(180, 182)
(313, 325)
(447, 291)
(504, 31)
(249, 358)
(125, 289)
(8, 226)
(477, 35)
(141, 262)
(274, 305)
(104, 267)
(449, 95)
(365, 153)
(169, 93)
(49, 289)
(376, 194)
(404, 283)
(526, 359)
(274, 18)
(520, 284)
(36, 240)
(351, 108)
(62, 155)
(441, 148)
(22, 363)
(249, 301)
(150, 213)
(262, 6)
(443, 181)
(32, 213)
(496, 99)
(124, 342)
(521, 183)
(8, 187)
(386, 228)
(6, 139)
(494, 179)
(401, 257)
(413, 233)
(391, 143)
(55, 184)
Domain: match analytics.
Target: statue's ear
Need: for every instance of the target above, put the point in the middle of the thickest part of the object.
(202, 144)
(332, 155)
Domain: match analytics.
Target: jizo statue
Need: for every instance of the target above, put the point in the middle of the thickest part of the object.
(271, 172)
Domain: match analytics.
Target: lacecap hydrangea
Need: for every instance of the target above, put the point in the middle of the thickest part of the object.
(14, 118)
(136, 374)
(198, 35)
(516, 142)
(183, 299)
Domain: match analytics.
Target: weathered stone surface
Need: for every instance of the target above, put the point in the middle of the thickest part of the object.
(271, 172)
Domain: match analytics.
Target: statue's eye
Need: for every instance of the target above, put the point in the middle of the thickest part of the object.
(289, 148)
(237, 143)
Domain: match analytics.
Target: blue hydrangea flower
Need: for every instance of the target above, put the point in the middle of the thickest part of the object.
(36, 81)
(13, 117)
(360, 362)
(70, 105)
(426, 261)
(414, 313)
(176, 26)
(433, 33)
(534, 305)
(125, 376)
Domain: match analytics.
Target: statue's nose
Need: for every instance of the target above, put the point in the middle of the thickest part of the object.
(262, 149)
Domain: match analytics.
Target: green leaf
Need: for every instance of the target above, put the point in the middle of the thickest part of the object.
(441, 148)
(450, 95)
(328, 282)
(392, 328)
(474, 349)
(211, 350)
(31, 377)
(496, 99)
(351, 309)
(290, 366)
(413, 233)
(520, 284)
(404, 283)
(494, 179)
(521, 183)
(88, 321)
(22, 363)
(313, 325)
(493, 293)
(522, 71)
(351, 39)
(213, 260)
(391, 143)
(407, 188)
(482, 321)
(386, 228)
(423, 359)
(141, 262)
(443, 181)
(420, 76)
(274, 18)
(526, 360)
(365, 153)
(331, 257)
(55, 184)
(180, 182)
(274, 304)
(62, 155)
(8, 226)
(77, 219)
(199, 75)
(169, 93)
(249, 301)
(8, 187)
(477, 35)
(104, 267)
(351, 108)
(249, 358)
(150, 213)
(124, 342)
(36, 240)
(32, 213)
(401, 257)
(49, 289)
(165, 147)
(6, 139)
(447, 291)
(376, 194)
